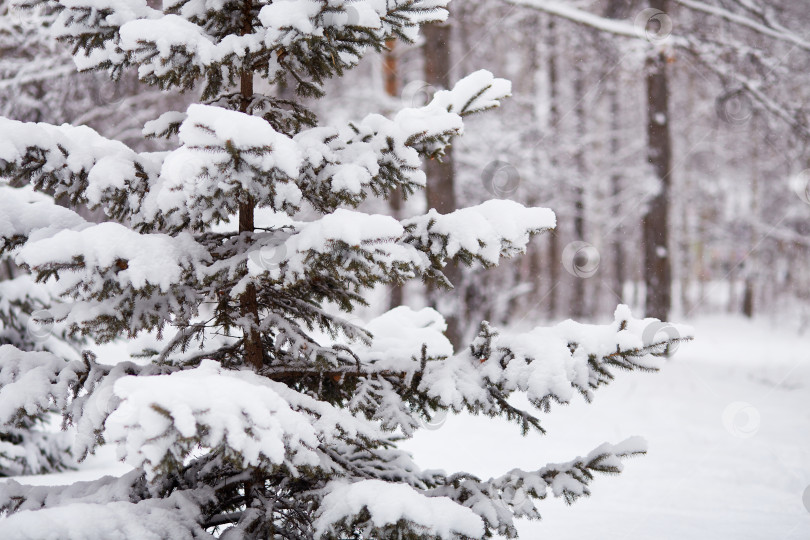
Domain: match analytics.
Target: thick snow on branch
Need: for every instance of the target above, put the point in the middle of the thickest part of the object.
(173, 47)
(32, 386)
(31, 383)
(401, 337)
(548, 364)
(109, 251)
(15, 496)
(23, 211)
(284, 22)
(355, 246)
(388, 503)
(31, 448)
(567, 480)
(174, 517)
(379, 154)
(97, 262)
(223, 154)
(376, 152)
(514, 495)
(109, 507)
(163, 419)
(477, 92)
(494, 229)
(77, 162)
(339, 237)
(21, 290)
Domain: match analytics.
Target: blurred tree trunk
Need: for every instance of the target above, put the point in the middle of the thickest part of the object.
(748, 298)
(616, 189)
(391, 69)
(689, 213)
(534, 260)
(440, 190)
(441, 174)
(554, 125)
(752, 270)
(392, 83)
(579, 308)
(616, 9)
(655, 223)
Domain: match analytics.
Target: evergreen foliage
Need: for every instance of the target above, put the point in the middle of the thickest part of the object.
(29, 442)
(205, 251)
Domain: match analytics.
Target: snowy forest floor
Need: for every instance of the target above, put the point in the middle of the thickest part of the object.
(728, 427)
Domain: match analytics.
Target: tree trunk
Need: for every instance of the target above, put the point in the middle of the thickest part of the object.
(748, 298)
(254, 352)
(554, 122)
(441, 174)
(391, 68)
(440, 190)
(392, 88)
(616, 9)
(616, 190)
(533, 273)
(752, 269)
(655, 223)
(578, 307)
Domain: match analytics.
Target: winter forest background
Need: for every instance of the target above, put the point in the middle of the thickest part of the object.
(573, 136)
(670, 137)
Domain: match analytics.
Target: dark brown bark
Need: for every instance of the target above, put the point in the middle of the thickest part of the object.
(655, 223)
(752, 265)
(392, 88)
(391, 68)
(248, 302)
(397, 295)
(748, 298)
(440, 190)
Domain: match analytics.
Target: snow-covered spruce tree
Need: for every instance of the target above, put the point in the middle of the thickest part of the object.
(262, 411)
(32, 78)
(37, 78)
(28, 442)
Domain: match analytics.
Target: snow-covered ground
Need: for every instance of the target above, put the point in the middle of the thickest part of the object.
(728, 426)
